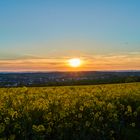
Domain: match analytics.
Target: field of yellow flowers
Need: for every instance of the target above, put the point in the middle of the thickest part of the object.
(102, 112)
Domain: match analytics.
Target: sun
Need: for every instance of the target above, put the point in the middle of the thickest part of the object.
(75, 62)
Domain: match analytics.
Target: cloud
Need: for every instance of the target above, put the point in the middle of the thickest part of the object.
(115, 61)
(122, 61)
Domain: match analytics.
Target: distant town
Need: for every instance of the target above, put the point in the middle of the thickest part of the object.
(67, 78)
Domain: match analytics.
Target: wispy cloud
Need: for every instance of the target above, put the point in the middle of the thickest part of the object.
(128, 61)
(123, 61)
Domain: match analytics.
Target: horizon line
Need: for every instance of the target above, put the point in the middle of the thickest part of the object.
(70, 71)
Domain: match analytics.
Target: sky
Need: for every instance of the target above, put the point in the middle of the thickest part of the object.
(42, 35)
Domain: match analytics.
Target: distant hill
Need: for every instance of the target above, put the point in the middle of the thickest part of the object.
(14, 79)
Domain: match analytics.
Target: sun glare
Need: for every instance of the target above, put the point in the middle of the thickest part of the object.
(75, 62)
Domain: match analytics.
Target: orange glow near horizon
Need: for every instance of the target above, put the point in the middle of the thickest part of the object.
(85, 63)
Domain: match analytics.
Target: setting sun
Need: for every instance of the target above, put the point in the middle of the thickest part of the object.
(75, 62)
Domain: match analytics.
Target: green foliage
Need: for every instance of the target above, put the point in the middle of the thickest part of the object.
(103, 112)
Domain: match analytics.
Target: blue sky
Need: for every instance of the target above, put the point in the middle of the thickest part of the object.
(53, 28)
